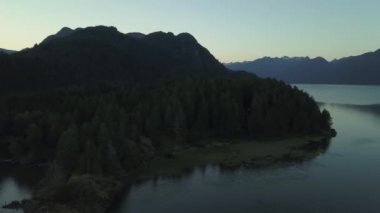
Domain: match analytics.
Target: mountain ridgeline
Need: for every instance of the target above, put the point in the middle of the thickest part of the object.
(127, 86)
(362, 69)
(102, 54)
(97, 101)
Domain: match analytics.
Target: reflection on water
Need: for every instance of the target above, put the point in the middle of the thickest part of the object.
(17, 183)
(344, 179)
(10, 191)
(214, 188)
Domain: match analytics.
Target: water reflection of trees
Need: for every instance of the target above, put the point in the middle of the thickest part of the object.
(310, 151)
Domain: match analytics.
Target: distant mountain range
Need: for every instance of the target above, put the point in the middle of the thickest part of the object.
(103, 54)
(362, 69)
(7, 51)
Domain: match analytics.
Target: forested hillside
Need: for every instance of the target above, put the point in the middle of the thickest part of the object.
(95, 102)
(97, 55)
(96, 96)
(110, 128)
(100, 103)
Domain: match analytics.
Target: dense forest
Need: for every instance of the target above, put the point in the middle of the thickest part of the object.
(95, 101)
(108, 129)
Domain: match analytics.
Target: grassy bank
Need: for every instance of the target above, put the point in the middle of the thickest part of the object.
(81, 194)
(235, 154)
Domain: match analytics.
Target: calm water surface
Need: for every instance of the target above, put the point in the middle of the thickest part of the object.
(344, 94)
(346, 178)
(17, 183)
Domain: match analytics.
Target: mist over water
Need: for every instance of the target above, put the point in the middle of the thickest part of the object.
(342, 179)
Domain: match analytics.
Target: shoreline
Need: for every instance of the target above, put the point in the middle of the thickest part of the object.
(99, 194)
(241, 154)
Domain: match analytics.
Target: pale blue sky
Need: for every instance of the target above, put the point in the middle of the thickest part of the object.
(233, 30)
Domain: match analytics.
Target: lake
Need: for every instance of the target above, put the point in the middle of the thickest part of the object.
(17, 183)
(345, 178)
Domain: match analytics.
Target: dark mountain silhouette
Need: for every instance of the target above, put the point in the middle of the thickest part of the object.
(5, 51)
(103, 54)
(136, 35)
(64, 32)
(362, 69)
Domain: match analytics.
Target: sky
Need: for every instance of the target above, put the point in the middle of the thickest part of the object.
(233, 30)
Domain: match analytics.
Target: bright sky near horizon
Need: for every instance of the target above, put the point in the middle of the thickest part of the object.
(233, 30)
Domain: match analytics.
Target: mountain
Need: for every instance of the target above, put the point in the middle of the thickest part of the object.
(103, 54)
(362, 69)
(64, 32)
(96, 105)
(7, 51)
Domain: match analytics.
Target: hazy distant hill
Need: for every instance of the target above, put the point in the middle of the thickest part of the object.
(7, 51)
(362, 69)
(103, 54)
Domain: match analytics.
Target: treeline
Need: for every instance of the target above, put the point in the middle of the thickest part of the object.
(107, 130)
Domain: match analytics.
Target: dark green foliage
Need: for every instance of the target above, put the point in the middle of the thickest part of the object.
(34, 138)
(109, 129)
(99, 101)
(68, 149)
(326, 120)
(16, 147)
